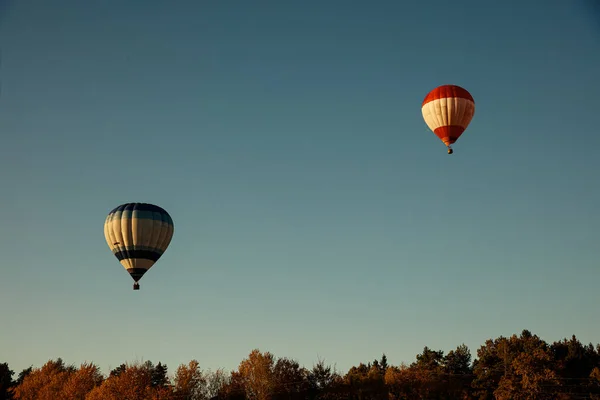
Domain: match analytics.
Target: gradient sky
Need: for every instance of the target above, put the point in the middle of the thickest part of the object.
(315, 213)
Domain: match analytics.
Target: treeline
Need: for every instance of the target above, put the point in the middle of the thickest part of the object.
(518, 368)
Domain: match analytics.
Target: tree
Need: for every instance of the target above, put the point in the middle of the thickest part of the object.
(322, 381)
(81, 382)
(117, 371)
(429, 359)
(528, 370)
(290, 378)
(45, 383)
(458, 361)
(356, 379)
(159, 375)
(383, 364)
(235, 388)
(23, 374)
(257, 374)
(366, 381)
(403, 383)
(215, 382)
(429, 374)
(133, 383)
(6, 382)
(573, 363)
(458, 372)
(489, 367)
(594, 384)
(322, 376)
(517, 367)
(190, 384)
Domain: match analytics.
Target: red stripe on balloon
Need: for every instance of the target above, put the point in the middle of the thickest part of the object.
(449, 134)
(446, 91)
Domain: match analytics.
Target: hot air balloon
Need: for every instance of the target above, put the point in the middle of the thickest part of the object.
(138, 234)
(447, 111)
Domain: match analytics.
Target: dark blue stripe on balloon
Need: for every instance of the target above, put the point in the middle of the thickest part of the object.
(145, 254)
(136, 273)
(139, 207)
(137, 214)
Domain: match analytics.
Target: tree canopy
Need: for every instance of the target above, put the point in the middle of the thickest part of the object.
(520, 367)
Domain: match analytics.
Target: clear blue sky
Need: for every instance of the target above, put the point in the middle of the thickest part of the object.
(315, 214)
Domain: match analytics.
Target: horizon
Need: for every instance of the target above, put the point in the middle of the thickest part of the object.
(171, 370)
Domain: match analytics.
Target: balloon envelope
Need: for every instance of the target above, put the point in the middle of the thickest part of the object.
(447, 111)
(138, 234)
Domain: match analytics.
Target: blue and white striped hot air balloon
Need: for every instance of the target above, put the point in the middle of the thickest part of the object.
(138, 234)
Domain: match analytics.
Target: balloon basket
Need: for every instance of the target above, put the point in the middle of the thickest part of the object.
(136, 286)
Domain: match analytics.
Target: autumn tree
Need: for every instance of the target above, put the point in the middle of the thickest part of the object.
(134, 382)
(366, 381)
(356, 380)
(518, 367)
(257, 374)
(81, 382)
(45, 383)
(530, 370)
(593, 385)
(189, 382)
(403, 383)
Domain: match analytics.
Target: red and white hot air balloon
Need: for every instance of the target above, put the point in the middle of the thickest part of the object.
(447, 111)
